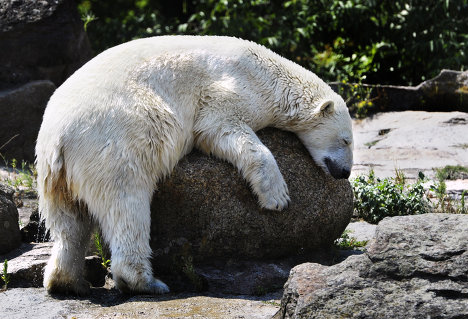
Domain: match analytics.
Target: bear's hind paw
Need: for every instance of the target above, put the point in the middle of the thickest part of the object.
(158, 287)
(79, 288)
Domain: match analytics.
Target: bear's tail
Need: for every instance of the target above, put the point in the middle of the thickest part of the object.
(52, 185)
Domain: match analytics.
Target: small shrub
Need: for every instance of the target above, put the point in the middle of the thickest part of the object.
(358, 98)
(375, 198)
(20, 177)
(348, 242)
(451, 172)
(189, 270)
(5, 276)
(98, 243)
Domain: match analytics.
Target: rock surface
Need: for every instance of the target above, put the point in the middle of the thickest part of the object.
(205, 210)
(26, 264)
(10, 236)
(417, 267)
(21, 111)
(411, 141)
(362, 231)
(35, 303)
(40, 40)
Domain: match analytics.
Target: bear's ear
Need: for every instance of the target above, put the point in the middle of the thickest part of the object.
(327, 107)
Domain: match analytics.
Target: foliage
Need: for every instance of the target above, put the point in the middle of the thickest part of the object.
(98, 243)
(20, 177)
(451, 172)
(375, 198)
(445, 203)
(396, 42)
(358, 98)
(189, 271)
(348, 242)
(5, 277)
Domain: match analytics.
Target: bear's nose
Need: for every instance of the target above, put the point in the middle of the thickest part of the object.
(336, 170)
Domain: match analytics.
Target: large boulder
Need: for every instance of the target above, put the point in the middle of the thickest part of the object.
(417, 267)
(40, 40)
(10, 236)
(21, 111)
(205, 210)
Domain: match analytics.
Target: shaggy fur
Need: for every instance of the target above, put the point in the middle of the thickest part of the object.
(124, 120)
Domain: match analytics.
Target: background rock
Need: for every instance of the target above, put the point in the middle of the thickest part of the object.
(34, 230)
(205, 210)
(10, 236)
(40, 40)
(447, 92)
(417, 267)
(21, 111)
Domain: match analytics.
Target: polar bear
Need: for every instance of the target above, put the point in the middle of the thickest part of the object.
(121, 123)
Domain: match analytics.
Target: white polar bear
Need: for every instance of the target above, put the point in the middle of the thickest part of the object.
(124, 120)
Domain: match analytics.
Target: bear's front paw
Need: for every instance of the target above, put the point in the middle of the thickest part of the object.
(273, 193)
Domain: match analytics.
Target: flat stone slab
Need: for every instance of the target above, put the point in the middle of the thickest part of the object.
(410, 141)
(35, 303)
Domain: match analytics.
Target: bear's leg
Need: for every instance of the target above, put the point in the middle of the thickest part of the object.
(241, 146)
(126, 227)
(64, 272)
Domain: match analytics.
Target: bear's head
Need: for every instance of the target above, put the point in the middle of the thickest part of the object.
(326, 132)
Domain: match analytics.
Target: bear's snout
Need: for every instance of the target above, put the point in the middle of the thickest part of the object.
(337, 171)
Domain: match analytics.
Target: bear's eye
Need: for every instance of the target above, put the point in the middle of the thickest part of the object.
(346, 141)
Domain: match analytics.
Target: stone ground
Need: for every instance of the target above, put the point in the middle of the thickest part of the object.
(409, 141)
(22, 303)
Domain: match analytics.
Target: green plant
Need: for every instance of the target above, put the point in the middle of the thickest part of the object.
(375, 198)
(462, 203)
(271, 303)
(98, 243)
(189, 271)
(444, 203)
(451, 172)
(87, 17)
(358, 98)
(5, 276)
(348, 242)
(20, 177)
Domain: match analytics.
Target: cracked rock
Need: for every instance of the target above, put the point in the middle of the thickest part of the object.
(417, 267)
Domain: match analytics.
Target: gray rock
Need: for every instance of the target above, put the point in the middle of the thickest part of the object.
(445, 93)
(417, 267)
(362, 231)
(10, 236)
(205, 210)
(26, 266)
(21, 111)
(40, 40)
(35, 231)
(245, 278)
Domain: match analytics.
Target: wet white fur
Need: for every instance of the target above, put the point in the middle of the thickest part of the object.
(124, 120)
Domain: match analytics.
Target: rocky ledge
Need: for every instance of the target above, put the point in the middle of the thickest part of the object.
(416, 267)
